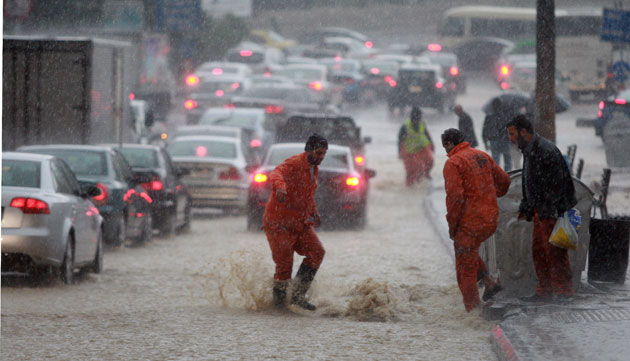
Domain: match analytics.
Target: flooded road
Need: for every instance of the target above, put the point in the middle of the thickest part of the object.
(385, 292)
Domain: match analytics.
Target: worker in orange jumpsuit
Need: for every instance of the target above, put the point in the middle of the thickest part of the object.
(290, 215)
(415, 148)
(473, 181)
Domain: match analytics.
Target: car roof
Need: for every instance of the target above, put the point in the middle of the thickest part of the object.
(133, 145)
(97, 148)
(231, 111)
(421, 66)
(26, 156)
(306, 66)
(205, 137)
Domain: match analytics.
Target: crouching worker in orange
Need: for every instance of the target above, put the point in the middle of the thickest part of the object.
(289, 218)
(473, 181)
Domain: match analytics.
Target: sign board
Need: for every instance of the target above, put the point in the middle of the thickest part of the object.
(178, 15)
(123, 14)
(220, 8)
(616, 26)
(621, 70)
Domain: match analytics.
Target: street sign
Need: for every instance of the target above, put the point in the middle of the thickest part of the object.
(616, 26)
(621, 71)
(178, 15)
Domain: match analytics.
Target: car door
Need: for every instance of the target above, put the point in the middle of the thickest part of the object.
(175, 183)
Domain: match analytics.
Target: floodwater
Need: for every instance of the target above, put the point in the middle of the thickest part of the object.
(385, 292)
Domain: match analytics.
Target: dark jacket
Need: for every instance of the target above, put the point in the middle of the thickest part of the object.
(465, 125)
(547, 183)
(494, 128)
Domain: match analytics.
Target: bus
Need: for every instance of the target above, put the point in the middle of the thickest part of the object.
(473, 32)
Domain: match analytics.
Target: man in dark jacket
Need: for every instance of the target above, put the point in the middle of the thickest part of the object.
(547, 193)
(495, 137)
(465, 125)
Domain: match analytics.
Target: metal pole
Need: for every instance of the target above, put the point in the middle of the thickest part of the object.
(545, 114)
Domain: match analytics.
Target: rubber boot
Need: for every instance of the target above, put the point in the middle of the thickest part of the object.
(279, 293)
(304, 277)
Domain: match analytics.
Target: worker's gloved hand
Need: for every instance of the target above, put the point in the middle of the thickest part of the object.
(317, 220)
(281, 195)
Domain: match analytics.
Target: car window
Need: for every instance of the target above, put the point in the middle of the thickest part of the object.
(60, 181)
(121, 167)
(21, 173)
(82, 162)
(70, 178)
(203, 149)
(140, 157)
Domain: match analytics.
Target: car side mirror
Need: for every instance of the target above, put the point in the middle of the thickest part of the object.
(367, 139)
(371, 173)
(89, 191)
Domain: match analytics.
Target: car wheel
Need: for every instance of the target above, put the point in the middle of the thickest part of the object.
(97, 264)
(120, 233)
(147, 230)
(66, 270)
(167, 228)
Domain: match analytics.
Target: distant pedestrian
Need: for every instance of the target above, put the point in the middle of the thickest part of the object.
(290, 215)
(494, 135)
(548, 192)
(465, 125)
(415, 148)
(473, 181)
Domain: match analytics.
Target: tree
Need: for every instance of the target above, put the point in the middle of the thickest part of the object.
(545, 69)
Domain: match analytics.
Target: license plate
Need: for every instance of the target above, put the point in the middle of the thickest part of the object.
(415, 88)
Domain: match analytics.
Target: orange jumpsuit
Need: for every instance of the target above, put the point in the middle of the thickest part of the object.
(473, 181)
(287, 225)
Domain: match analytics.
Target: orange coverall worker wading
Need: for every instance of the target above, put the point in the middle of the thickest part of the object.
(287, 224)
(473, 181)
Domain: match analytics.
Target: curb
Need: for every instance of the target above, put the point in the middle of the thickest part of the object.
(501, 345)
(440, 228)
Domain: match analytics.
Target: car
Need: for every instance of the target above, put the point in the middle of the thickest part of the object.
(346, 75)
(270, 38)
(339, 193)
(269, 79)
(255, 119)
(280, 101)
(123, 203)
(451, 71)
(300, 60)
(331, 31)
(217, 170)
(48, 220)
(217, 69)
(311, 76)
(347, 47)
(420, 85)
(380, 78)
(618, 104)
(172, 203)
(246, 136)
(211, 92)
(260, 59)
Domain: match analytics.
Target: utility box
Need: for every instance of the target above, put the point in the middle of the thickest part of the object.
(508, 253)
(65, 90)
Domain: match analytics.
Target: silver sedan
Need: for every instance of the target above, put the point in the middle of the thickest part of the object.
(48, 221)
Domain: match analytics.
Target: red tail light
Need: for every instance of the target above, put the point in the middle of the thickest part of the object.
(255, 143)
(219, 93)
(192, 80)
(375, 71)
(438, 85)
(505, 70)
(353, 181)
(273, 109)
(392, 83)
(315, 85)
(246, 53)
(190, 104)
(217, 71)
(359, 160)
(101, 199)
(154, 185)
(230, 174)
(132, 96)
(599, 114)
(235, 85)
(434, 47)
(620, 101)
(454, 71)
(505, 85)
(601, 105)
(229, 106)
(30, 205)
(369, 44)
(260, 178)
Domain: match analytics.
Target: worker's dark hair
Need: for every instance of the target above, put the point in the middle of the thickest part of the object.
(416, 113)
(521, 122)
(316, 141)
(452, 135)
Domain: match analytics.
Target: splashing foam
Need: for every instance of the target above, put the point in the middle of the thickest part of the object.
(375, 301)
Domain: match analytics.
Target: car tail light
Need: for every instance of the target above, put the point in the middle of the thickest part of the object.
(192, 80)
(359, 160)
(190, 104)
(267, 74)
(146, 197)
(132, 96)
(30, 205)
(230, 174)
(505, 85)
(439, 85)
(255, 143)
(154, 185)
(505, 70)
(375, 71)
(246, 53)
(369, 44)
(392, 83)
(235, 85)
(101, 199)
(601, 105)
(273, 109)
(260, 178)
(599, 114)
(201, 151)
(315, 85)
(219, 93)
(353, 181)
(434, 47)
(217, 71)
(229, 106)
(620, 101)
(454, 71)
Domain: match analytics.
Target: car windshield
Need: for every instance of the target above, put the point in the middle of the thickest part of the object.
(234, 120)
(302, 74)
(82, 162)
(140, 157)
(335, 158)
(203, 149)
(20, 173)
(267, 93)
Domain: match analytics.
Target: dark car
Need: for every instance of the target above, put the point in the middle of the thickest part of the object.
(123, 203)
(420, 85)
(380, 78)
(339, 194)
(451, 71)
(172, 204)
(618, 103)
(212, 91)
(279, 101)
(346, 75)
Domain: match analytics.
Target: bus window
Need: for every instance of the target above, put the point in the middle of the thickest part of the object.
(452, 27)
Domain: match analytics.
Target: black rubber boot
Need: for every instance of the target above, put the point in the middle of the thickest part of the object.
(304, 277)
(279, 293)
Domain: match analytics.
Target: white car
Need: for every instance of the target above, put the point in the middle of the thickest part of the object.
(48, 220)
